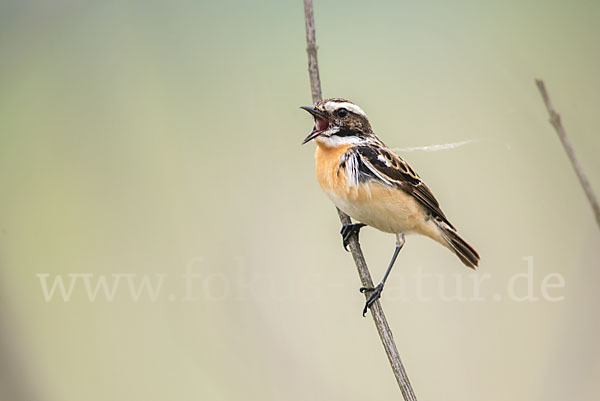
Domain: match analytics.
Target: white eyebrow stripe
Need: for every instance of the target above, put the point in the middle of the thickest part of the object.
(331, 106)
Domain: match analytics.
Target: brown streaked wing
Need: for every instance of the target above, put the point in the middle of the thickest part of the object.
(392, 168)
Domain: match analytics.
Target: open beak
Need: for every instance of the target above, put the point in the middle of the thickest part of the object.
(321, 123)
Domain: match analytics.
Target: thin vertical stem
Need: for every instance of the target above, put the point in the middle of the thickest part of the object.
(385, 334)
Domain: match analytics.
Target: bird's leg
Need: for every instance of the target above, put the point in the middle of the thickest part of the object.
(376, 291)
(348, 230)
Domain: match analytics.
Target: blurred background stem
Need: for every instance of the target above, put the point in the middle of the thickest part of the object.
(562, 135)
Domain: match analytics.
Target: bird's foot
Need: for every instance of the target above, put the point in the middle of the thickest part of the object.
(375, 295)
(348, 230)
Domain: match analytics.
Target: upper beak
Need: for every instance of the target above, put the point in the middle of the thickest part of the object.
(319, 118)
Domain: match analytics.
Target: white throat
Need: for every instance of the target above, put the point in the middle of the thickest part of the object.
(335, 141)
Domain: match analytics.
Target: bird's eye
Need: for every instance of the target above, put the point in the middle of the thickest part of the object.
(342, 112)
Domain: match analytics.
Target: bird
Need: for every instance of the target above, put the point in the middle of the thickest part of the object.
(375, 186)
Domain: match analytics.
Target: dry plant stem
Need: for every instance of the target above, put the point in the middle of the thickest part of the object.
(311, 50)
(558, 127)
(363, 271)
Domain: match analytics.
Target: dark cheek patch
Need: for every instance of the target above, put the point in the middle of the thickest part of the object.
(348, 132)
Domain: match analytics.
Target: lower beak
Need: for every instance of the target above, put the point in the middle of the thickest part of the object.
(318, 116)
(312, 135)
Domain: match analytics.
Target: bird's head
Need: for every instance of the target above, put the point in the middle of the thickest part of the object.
(338, 122)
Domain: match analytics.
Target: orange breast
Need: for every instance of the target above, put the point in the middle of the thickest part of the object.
(330, 177)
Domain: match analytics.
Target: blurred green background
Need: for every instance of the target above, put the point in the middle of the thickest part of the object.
(149, 138)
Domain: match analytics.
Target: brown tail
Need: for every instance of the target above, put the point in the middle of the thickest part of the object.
(463, 250)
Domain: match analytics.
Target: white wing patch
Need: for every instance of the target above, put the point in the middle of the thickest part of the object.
(353, 172)
(352, 169)
(376, 172)
(384, 160)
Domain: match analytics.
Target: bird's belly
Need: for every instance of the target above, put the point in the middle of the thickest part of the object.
(386, 208)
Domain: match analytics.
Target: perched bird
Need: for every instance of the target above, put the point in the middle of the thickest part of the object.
(374, 186)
